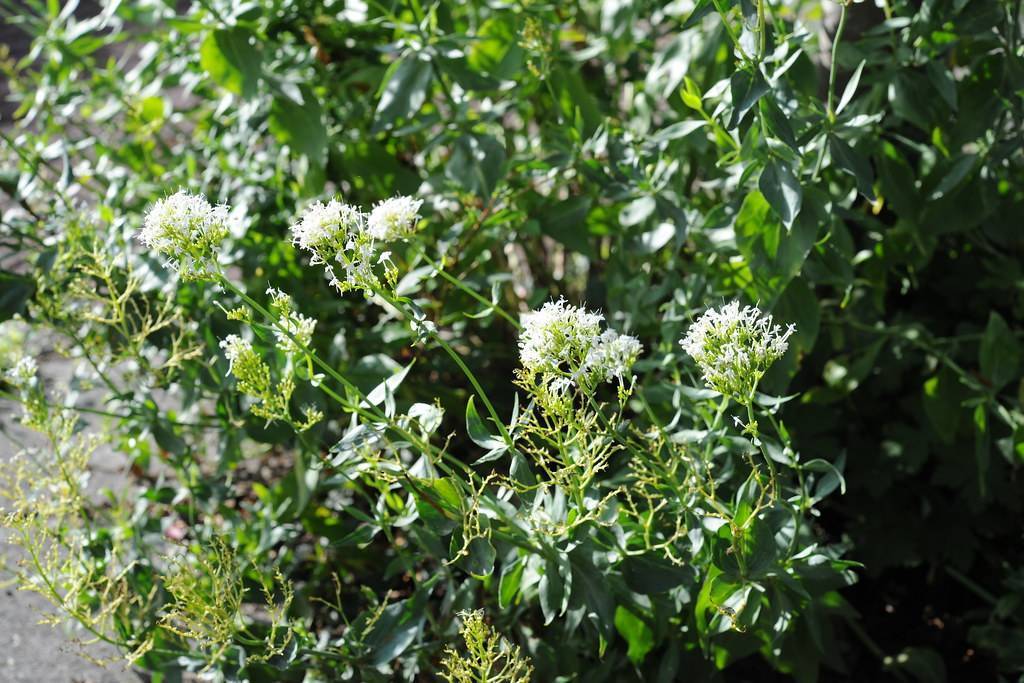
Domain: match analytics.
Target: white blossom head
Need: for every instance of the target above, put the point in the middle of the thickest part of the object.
(734, 347)
(188, 231)
(294, 331)
(393, 219)
(23, 373)
(562, 349)
(558, 337)
(347, 241)
(325, 229)
(236, 350)
(613, 356)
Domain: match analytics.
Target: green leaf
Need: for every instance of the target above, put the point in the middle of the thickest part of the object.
(403, 92)
(480, 561)
(231, 58)
(494, 41)
(167, 439)
(478, 432)
(438, 504)
(511, 579)
(388, 387)
(955, 175)
(704, 604)
(552, 592)
(650, 575)
(999, 355)
(941, 78)
(798, 305)
(701, 9)
(15, 291)
(300, 126)
(395, 630)
(852, 162)
(851, 88)
(778, 122)
(575, 99)
(566, 221)
(637, 211)
(774, 256)
(833, 478)
(679, 129)
(477, 164)
(591, 587)
(942, 396)
(746, 91)
(636, 632)
(782, 190)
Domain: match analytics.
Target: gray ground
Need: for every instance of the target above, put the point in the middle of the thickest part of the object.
(31, 652)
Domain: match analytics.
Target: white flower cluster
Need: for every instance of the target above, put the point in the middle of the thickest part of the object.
(298, 329)
(238, 351)
(734, 347)
(613, 355)
(325, 229)
(338, 233)
(557, 336)
(23, 373)
(394, 219)
(564, 346)
(187, 230)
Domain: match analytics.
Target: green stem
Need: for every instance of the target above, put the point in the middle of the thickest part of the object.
(764, 450)
(762, 37)
(439, 269)
(833, 67)
(499, 423)
(729, 30)
(106, 413)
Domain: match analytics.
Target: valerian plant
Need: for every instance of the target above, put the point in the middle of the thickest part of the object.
(446, 340)
(556, 524)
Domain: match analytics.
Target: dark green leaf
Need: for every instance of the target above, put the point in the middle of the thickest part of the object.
(1000, 352)
(404, 91)
(851, 161)
(782, 190)
(15, 291)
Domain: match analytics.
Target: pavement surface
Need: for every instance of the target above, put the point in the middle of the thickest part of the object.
(31, 652)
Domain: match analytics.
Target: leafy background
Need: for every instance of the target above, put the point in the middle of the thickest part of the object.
(646, 158)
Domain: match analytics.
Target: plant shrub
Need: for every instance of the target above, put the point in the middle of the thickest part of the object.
(603, 341)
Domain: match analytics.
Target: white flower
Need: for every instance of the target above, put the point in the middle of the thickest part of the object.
(24, 372)
(298, 326)
(186, 230)
(613, 355)
(325, 229)
(562, 346)
(336, 233)
(558, 337)
(294, 331)
(394, 218)
(734, 347)
(236, 349)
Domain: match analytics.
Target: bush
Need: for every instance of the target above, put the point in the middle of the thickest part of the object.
(764, 419)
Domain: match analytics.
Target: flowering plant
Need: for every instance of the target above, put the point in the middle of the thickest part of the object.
(672, 316)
